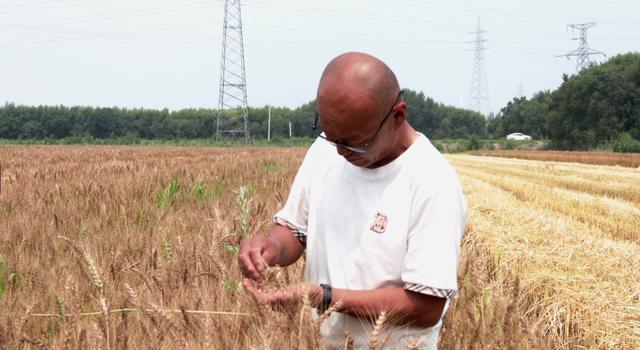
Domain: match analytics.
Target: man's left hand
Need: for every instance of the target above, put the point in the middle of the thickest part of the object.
(285, 295)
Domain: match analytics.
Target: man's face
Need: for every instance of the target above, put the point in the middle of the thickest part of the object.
(355, 126)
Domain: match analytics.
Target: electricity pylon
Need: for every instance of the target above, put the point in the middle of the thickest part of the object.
(583, 52)
(233, 114)
(479, 93)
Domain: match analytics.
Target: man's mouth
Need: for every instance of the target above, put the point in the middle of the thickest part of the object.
(352, 159)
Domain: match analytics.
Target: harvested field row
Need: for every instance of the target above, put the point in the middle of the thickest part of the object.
(491, 310)
(625, 190)
(631, 160)
(600, 173)
(583, 288)
(615, 218)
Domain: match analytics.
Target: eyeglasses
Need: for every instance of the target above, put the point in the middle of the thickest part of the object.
(362, 149)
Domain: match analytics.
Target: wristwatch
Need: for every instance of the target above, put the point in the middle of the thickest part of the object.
(326, 297)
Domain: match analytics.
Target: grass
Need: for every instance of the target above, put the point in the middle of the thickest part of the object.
(136, 247)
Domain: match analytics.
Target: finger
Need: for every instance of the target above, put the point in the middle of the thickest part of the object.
(241, 254)
(246, 266)
(268, 254)
(250, 287)
(277, 297)
(258, 258)
(259, 264)
(247, 260)
(280, 297)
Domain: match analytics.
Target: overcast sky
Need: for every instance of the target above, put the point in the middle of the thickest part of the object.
(166, 53)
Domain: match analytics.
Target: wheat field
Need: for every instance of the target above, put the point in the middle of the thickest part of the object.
(631, 160)
(135, 247)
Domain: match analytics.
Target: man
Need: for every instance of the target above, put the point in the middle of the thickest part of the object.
(379, 211)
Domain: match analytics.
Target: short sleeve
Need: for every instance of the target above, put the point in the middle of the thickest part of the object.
(295, 212)
(433, 247)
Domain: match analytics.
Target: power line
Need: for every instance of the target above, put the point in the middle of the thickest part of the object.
(609, 3)
(54, 41)
(31, 3)
(421, 20)
(41, 8)
(200, 44)
(456, 8)
(185, 7)
(198, 5)
(233, 113)
(500, 11)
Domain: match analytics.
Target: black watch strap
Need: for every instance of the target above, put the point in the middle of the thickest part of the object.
(326, 297)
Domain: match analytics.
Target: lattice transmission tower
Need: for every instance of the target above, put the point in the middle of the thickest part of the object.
(233, 114)
(583, 52)
(479, 93)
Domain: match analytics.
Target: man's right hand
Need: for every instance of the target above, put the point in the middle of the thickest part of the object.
(256, 254)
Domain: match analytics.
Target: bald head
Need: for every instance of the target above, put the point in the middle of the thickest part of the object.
(359, 100)
(359, 75)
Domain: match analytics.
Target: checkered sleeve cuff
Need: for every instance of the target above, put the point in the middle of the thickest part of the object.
(437, 292)
(301, 236)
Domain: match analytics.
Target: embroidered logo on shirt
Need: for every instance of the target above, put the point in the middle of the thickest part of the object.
(379, 223)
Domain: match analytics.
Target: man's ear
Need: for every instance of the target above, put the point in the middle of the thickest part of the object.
(400, 113)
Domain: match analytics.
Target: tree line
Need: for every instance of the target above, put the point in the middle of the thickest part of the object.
(598, 107)
(57, 122)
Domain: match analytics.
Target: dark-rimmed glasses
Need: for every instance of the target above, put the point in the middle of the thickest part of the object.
(365, 148)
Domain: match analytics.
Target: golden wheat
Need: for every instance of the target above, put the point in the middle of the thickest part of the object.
(136, 247)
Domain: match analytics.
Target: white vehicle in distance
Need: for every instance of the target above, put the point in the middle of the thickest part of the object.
(518, 136)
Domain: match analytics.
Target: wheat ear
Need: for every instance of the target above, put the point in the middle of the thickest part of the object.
(413, 344)
(348, 342)
(335, 307)
(373, 341)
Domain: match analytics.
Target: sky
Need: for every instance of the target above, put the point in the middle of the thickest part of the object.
(166, 53)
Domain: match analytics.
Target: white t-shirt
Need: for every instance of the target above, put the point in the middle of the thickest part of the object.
(398, 225)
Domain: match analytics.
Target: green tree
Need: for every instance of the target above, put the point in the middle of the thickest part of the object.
(596, 105)
(427, 116)
(522, 115)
